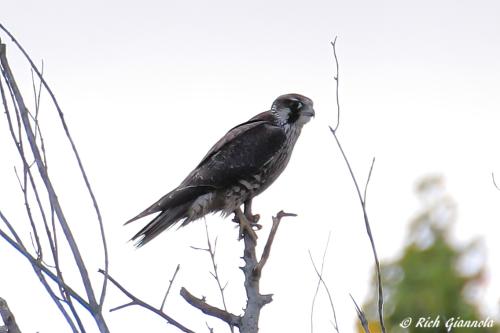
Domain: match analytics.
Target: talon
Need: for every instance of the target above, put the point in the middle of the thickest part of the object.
(257, 226)
(253, 218)
(245, 225)
(248, 228)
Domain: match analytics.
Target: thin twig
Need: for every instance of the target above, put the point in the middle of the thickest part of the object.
(65, 293)
(368, 181)
(54, 200)
(37, 264)
(362, 199)
(320, 277)
(38, 267)
(37, 110)
(119, 307)
(336, 77)
(215, 274)
(139, 302)
(319, 283)
(24, 190)
(494, 181)
(25, 119)
(34, 262)
(171, 282)
(45, 177)
(27, 169)
(37, 97)
(270, 239)
(361, 316)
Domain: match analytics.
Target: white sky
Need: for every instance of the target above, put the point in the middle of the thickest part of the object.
(147, 88)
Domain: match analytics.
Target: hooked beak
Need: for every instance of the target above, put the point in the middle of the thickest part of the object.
(309, 113)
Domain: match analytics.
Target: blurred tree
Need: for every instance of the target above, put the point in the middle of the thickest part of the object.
(433, 281)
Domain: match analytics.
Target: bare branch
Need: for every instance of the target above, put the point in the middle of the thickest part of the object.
(270, 239)
(215, 274)
(363, 206)
(119, 307)
(45, 177)
(200, 303)
(361, 316)
(494, 181)
(320, 277)
(253, 271)
(141, 303)
(368, 181)
(41, 271)
(318, 285)
(43, 172)
(24, 189)
(36, 263)
(171, 282)
(24, 119)
(336, 77)
(65, 293)
(8, 317)
(37, 95)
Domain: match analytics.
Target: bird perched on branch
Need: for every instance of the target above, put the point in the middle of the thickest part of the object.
(241, 165)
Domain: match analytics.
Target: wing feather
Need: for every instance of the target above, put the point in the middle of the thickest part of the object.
(241, 153)
(261, 118)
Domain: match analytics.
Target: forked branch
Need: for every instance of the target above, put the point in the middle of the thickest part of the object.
(210, 249)
(8, 318)
(137, 301)
(252, 270)
(322, 282)
(362, 198)
(32, 153)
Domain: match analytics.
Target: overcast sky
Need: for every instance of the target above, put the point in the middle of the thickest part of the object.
(148, 88)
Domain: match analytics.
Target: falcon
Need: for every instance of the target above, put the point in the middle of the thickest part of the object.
(240, 166)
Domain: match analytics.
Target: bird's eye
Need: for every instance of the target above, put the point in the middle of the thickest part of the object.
(299, 105)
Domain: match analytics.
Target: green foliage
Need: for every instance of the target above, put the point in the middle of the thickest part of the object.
(433, 280)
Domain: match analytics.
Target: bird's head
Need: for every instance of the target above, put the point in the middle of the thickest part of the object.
(292, 109)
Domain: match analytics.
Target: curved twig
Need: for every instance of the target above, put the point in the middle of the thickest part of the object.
(215, 274)
(43, 172)
(330, 298)
(320, 282)
(336, 78)
(362, 200)
(136, 301)
(361, 316)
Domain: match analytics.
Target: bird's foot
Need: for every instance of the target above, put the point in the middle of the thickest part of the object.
(247, 225)
(253, 219)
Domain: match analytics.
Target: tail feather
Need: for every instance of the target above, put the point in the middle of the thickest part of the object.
(174, 198)
(173, 207)
(160, 223)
